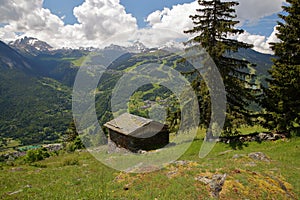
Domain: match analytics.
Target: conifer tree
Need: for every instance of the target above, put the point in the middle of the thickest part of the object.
(72, 138)
(214, 29)
(282, 97)
(71, 132)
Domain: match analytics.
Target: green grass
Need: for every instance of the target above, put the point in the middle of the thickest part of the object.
(252, 129)
(55, 85)
(80, 176)
(79, 62)
(13, 143)
(134, 66)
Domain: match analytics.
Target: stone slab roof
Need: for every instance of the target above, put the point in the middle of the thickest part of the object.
(128, 123)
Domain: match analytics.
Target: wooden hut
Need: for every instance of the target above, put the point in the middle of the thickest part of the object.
(137, 133)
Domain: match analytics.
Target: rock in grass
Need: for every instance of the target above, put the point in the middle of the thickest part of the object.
(224, 152)
(18, 191)
(215, 183)
(16, 169)
(259, 156)
(236, 156)
(203, 179)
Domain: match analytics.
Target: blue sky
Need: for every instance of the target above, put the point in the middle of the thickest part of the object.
(63, 8)
(140, 9)
(264, 26)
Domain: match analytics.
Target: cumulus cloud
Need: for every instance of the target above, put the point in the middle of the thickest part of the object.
(17, 9)
(98, 20)
(175, 19)
(261, 43)
(251, 11)
(102, 19)
(28, 17)
(159, 36)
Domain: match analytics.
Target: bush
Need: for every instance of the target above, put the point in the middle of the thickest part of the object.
(295, 132)
(2, 158)
(76, 144)
(56, 153)
(36, 155)
(70, 147)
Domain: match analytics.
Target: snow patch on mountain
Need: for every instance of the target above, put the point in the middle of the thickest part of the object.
(31, 45)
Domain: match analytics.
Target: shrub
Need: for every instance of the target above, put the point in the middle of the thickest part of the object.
(70, 147)
(36, 155)
(76, 144)
(296, 132)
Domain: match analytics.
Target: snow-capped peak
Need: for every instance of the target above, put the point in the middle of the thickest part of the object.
(31, 45)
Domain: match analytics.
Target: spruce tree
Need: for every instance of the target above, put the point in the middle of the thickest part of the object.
(214, 29)
(71, 133)
(282, 97)
(72, 138)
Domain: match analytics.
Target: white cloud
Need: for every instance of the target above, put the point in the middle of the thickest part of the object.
(28, 17)
(157, 37)
(101, 19)
(273, 38)
(250, 11)
(176, 19)
(98, 20)
(261, 43)
(16, 9)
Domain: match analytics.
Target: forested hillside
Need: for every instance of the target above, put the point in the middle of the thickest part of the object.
(33, 108)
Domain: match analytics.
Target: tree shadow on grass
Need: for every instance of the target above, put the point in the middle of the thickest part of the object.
(238, 145)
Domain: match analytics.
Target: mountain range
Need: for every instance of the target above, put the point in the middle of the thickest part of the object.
(36, 84)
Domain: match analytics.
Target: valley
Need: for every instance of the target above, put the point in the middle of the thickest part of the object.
(39, 81)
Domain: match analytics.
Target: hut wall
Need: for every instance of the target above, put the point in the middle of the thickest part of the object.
(134, 144)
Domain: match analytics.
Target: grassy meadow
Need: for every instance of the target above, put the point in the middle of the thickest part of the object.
(79, 175)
